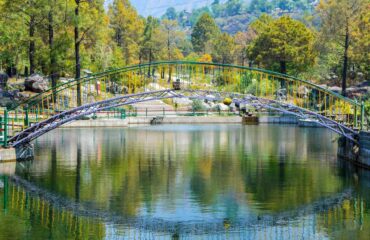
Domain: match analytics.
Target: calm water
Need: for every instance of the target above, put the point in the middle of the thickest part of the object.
(186, 182)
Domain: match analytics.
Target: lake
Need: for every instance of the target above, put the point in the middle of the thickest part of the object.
(186, 182)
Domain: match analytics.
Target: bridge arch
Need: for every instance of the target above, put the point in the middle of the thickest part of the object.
(117, 87)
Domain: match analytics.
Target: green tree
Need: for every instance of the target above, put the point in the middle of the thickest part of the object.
(217, 8)
(282, 42)
(233, 7)
(174, 38)
(341, 19)
(32, 14)
(223, 49)
(242, 41)
(11, 32)
(170, 14)
(260, 6)
(128, 28)
(151, 44)
(197, 13)
(204, 30)
(87, 18)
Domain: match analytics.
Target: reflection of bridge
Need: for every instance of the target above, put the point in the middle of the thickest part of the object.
(260, 89)
(25, 199)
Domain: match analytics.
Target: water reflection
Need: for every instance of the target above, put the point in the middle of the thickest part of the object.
(278, 182)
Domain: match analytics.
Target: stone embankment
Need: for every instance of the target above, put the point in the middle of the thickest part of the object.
(358, 154)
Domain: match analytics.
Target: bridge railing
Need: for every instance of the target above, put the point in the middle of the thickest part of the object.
(189, 75)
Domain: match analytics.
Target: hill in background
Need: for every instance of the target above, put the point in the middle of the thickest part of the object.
(158, 7)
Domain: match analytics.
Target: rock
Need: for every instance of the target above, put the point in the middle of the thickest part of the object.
(9, 98)
(182, 101)
(281, 94)
(210, 97)
(232, 107)
(357, 91)
(364, 84)
(36, 83)
(334, 77)
(205, 106)
(17, 86)
(352, 75)
(303, 91)
(335, 89)
(360, 76)
(114, 88)
(23, 96)
(221, 107)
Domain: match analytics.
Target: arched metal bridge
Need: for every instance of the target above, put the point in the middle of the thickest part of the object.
(257, 88)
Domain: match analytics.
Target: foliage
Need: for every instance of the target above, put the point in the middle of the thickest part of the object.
(223, 49)
(175, 40)
(205, 58)
(127, 30)
(170, 14)
(115, 36)
(282, 43)
(197, 105)
(341, 18)
(204, 30)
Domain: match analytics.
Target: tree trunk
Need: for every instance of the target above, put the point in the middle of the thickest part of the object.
(77, 53)
(283, 67)
(150, 61)
(31, 50)
(283, 71)
(169, 73)
(53, 62)
(168, 45)
(345, 63)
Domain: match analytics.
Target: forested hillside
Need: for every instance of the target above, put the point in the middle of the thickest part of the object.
(234, 15)
(158, 7)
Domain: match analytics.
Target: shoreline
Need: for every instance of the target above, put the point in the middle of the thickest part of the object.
(282, 119)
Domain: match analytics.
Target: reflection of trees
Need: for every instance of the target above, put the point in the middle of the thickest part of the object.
(123, 170)
(29, 217)
(350, 220)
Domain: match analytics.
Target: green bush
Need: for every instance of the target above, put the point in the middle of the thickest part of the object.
(197, 105)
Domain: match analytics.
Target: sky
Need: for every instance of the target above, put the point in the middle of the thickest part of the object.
(158, 7)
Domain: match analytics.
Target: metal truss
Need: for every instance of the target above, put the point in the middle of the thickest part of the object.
(301, 113)
(57, 120)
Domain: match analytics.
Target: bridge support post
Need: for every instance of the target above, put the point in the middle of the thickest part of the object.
(26, 120)
(5, 143)
(355, 116)
(24, 152)
(362, 115)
